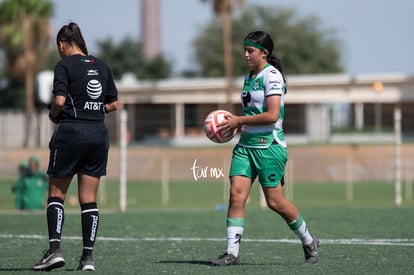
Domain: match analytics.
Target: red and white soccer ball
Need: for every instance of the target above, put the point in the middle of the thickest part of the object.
(211, 123)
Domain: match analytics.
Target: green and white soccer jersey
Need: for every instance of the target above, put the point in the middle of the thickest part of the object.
(268, 82)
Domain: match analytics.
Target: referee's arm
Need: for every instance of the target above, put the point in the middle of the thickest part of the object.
(110, 107)
(57, 106)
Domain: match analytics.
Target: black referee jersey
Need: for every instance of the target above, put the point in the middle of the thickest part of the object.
(87, 84)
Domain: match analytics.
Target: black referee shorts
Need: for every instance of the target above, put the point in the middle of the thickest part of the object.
(78, 147)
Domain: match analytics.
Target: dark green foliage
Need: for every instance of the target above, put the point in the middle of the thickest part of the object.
(302, 44)
(127, 57)
(11, 94)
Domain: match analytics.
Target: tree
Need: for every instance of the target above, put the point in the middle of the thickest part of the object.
(24, 36)
(224, 9)
(303, 46)
(128, 57)
(156, 68)
(12, 94)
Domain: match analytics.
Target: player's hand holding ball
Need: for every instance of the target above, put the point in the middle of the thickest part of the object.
(217, 127)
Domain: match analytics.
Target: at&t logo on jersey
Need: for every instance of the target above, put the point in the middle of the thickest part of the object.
(94, 91)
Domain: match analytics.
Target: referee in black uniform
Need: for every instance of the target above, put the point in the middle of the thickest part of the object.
(84, 92)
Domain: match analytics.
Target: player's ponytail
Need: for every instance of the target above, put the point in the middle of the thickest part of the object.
(72, 34)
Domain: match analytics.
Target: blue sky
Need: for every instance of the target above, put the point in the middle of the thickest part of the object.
(377, 35)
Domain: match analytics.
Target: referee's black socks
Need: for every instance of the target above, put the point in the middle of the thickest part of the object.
(55, 217)
(90, 222)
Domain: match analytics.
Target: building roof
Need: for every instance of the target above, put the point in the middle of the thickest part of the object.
(302, 89)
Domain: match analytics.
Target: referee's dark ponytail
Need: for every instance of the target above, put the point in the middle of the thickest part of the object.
(265, 40)
(72, 34)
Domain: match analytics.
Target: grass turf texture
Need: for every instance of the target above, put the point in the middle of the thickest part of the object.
(365, 236)
(206, 195)
(353, 241)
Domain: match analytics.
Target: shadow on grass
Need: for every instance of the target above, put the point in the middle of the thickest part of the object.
(196, 262)
(185, 262)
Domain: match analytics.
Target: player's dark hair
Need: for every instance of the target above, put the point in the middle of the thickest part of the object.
(72, 34)
(265, 40)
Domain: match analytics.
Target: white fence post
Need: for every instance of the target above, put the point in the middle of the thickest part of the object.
(123, 161)
(397, 155)
(165, 181)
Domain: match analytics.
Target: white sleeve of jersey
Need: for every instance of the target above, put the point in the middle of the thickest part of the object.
(273, 82)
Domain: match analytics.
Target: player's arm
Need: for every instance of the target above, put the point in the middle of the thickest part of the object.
(271, 115)
(56, 108)
(60, 84)
(111, 97)
(110, 107)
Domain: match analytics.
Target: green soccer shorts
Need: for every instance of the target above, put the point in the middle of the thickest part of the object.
(268, 164)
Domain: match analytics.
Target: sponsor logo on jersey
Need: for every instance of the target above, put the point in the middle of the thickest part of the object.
(246, 98)
(93, 106)
(94, 89)
(274, 85)
(93, 72)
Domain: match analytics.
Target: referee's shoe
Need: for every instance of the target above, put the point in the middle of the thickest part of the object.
(86, 263)
(50, 260)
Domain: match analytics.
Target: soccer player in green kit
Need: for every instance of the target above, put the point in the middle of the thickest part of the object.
(261, 151)
(31, 187)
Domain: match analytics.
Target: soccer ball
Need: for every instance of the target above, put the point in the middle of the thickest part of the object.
(211, 123)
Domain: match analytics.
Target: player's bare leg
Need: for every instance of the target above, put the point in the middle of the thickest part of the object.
(288, 211)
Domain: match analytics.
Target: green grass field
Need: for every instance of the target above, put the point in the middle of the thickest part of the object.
(206, 195)
(367, 235)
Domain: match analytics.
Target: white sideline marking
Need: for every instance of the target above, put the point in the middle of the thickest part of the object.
(392, 242)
